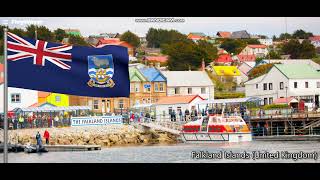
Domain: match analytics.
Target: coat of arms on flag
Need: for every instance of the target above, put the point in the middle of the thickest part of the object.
(101, 70)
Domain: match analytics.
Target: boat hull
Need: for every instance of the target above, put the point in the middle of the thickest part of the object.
(201, 137)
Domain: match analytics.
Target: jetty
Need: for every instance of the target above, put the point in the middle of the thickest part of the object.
(60, 148)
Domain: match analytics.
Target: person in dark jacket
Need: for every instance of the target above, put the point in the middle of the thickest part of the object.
(39, 140)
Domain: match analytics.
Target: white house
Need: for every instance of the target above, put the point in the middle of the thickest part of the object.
(166, 105)
(259, 50)
(244, 69)
(291, 61)
(267, 42)
(18, 98)
(300, 81)
(189, 83)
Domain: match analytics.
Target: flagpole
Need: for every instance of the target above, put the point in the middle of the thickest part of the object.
(5, 99)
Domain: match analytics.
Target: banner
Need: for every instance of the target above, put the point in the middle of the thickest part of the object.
(96, 120)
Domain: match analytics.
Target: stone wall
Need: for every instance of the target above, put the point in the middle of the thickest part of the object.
(105, 136)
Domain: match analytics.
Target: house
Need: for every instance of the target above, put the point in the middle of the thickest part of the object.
(291, 61)
(196, 36)
(244, 58)
(181, 83)
(267, 42)
(74, 32)
(147, 85)
(222, 51)
(116, 41)
(315, 40)
(244, 69)
(300, 81)
(226, 72)
(166, 105)
(109, 35)
(156, 60)
(224, 59)
(240, 35)
(18, 98)
(223, 34)
(53, 98)
(101, 105)
(259, 50)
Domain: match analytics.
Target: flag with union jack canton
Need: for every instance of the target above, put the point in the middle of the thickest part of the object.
(76, 70)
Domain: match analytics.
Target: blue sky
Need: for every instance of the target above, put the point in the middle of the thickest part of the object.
(209, 25)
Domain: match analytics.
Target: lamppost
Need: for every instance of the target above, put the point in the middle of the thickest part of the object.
(287, 99)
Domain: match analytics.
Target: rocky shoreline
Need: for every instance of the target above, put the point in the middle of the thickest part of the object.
(106, 136)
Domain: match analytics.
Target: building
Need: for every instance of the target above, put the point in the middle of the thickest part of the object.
(291, 61)
(315, 40)
(158, 61)
(181, 83)
(224, 59)
(101, 105)
(223, 34)
(18, 98)
(259, 50)
(300, 81)
(147, 85)
(53, 98)
(244, 69)
(267, 42)
(240, 35)
(166, 105)
(74, 32)
(244, 58)
(227, 73)
(116, 41)
(196, 36)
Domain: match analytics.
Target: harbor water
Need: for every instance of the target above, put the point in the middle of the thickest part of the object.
(186, 153)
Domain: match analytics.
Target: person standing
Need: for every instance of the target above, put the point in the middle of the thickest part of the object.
(46, 135)
(174, 115)
(180, 115)
(21, 121)
(39, 141)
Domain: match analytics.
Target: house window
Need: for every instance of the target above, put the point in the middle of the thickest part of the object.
(265, 86)
(270, 86)
(270, 100)
(265, 101)
(161, 87)
(156, 87)
(281, 85)
(189, 90)
(147, 89)
(295, 84)
(257, 86)
(137, 87)
(306, 84)
(131, 87)
(95, 104)
(318, 84)
(15, 98)
(58, 98)
(203, 90)
(177, 90)
(121, 103)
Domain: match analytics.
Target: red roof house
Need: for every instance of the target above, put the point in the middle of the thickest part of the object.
(223, 34)
(161, 59)
(315, 38)
(288, 100)
(245, 58)
(224, 58)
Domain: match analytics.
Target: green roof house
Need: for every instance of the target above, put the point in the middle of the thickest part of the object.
(301, 81)
(74, 32)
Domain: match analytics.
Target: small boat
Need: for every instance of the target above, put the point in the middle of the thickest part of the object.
(216, 128)
(35, 149)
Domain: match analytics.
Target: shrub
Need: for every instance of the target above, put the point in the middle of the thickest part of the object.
(275, 106)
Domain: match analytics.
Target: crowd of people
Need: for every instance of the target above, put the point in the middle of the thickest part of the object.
(20, 121)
